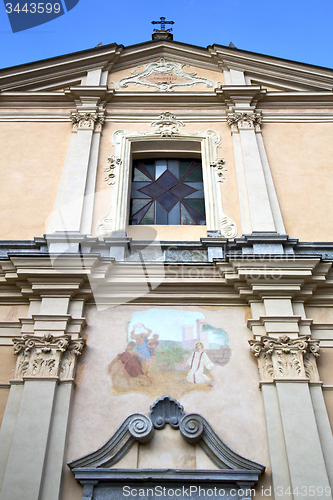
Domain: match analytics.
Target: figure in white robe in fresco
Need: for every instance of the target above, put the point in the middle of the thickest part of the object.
(198, 361)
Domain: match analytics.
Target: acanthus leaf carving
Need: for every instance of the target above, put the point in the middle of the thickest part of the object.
(310, 364)
(68, 359)
(284, 357)
(40, 356)
(87, 121)
(244, 121)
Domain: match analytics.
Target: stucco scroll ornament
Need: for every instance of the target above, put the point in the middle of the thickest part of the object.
(105, 224)
(114, 162)
(68, 359)
(40, 356)
(228, 228)
(167, 125)
(285, 357)
(214, 137)
(218, 165)
(87, 121)
(164, 76)
(244, 121)
(310, 364)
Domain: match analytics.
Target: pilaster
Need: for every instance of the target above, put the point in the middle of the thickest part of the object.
(288, 376)
(42, 386)
(74, 201)
(297, 424)
(286, 368)
(258, 202)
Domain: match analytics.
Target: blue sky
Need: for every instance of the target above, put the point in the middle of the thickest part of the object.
(291, 29)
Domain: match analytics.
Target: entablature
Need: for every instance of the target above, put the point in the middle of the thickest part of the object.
(213, 271)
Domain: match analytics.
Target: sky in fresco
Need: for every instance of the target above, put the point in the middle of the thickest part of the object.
(290, 29)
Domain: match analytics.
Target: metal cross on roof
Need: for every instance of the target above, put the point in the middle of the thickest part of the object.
(163, 22)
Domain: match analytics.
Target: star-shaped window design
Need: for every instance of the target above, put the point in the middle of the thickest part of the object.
(167, 192)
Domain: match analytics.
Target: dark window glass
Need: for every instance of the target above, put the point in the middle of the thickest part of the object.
(167, 191)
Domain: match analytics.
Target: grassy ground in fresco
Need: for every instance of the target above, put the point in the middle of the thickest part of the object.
(161, 382)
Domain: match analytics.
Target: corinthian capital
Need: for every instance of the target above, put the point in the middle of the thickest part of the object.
(284, 357)
(45, 356)
(87, 121)
(244, 121)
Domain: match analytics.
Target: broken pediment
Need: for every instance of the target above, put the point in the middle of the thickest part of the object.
(94, 471)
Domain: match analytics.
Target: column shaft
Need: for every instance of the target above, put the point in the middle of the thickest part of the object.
(25, 465)
(54, 463)
(277, 448)
(324, 428)
(260, 208)
(8, 425)
(305, 457)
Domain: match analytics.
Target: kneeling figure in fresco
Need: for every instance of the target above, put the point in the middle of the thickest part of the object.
(197, 362)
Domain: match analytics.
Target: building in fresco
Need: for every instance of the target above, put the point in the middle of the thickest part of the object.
(166, 296)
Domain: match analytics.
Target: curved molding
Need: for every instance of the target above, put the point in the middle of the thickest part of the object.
(196, 430)
(193, 427)
(136, 427)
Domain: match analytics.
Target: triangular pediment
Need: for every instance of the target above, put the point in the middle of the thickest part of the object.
(61, 72)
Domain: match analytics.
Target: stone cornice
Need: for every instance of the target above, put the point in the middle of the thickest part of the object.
(28, 272)
(60, 72)
(96, 93)
(282, 70)
(321, 99)
(71, 68)
(240, 95)
(144, 53)
(125, 114)
(49, 106)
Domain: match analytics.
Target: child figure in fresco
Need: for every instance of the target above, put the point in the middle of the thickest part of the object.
(141, 345)
(153, 344)
(197, 362)
(126, 365)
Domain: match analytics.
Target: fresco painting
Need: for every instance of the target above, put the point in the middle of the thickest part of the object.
(169, 352)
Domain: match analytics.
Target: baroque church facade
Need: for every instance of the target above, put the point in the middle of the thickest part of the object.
(166, 311)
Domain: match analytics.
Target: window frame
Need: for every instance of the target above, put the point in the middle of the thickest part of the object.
(128, 146)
